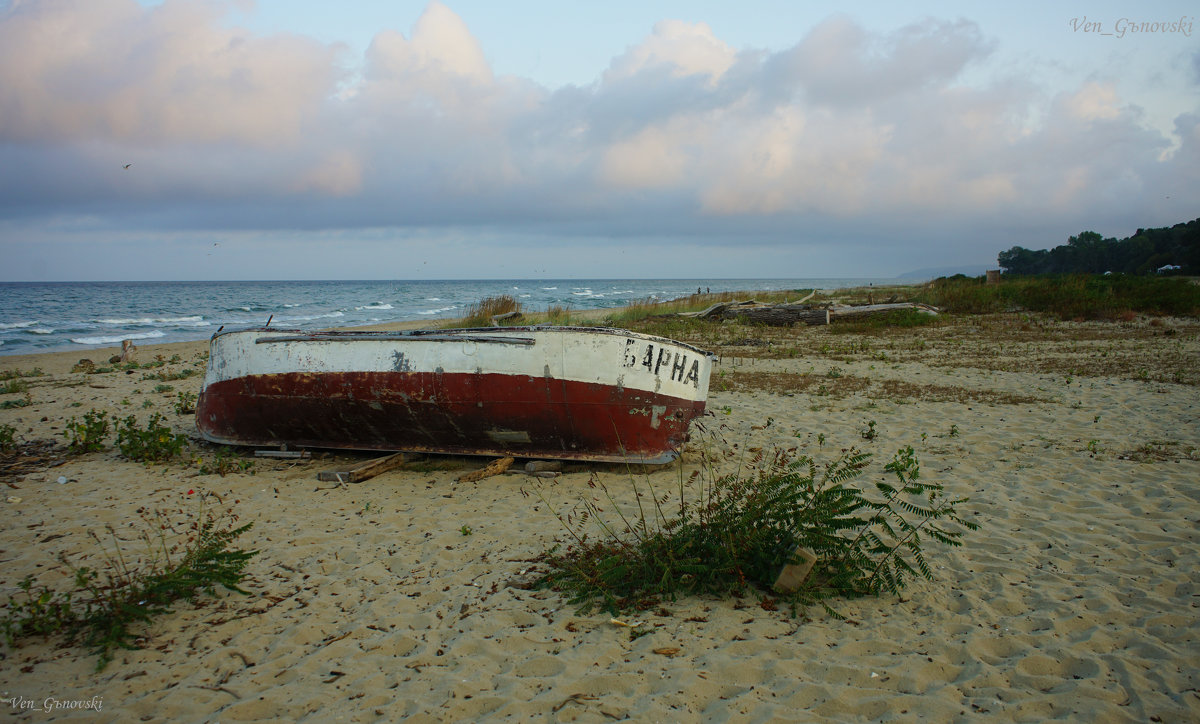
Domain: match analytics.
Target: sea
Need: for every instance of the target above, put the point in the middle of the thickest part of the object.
(59, 316)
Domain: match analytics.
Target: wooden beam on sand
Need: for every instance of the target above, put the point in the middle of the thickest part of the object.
(369, 469)
(508, 317)
(873, 310)
(779, 315)
(495, 467)
(283, 454)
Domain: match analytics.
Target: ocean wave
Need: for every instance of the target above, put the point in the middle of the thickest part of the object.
(437, 311)
(309, 318)
(548, 289)
(376, 305)
(39, 330)
(17, 325)
(114, 340)
(153, 320)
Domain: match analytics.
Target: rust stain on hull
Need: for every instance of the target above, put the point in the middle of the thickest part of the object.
(466, 413)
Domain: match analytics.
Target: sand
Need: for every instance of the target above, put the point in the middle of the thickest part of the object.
(1077, 600)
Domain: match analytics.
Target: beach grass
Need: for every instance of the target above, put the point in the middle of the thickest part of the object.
(1068, 297)
(480, 314)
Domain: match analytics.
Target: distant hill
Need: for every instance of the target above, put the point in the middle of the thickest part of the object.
(971, 270)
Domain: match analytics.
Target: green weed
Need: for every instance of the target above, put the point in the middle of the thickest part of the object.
(8, 438)
(13, 386)
(185, 403)
(154, 443)
(24, 401)
(87, 435)
(105, 607)
(744, 527)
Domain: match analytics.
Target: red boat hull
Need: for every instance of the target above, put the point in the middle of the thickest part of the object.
(474, 413)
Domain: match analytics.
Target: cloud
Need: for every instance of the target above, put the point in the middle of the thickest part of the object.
(849, 133)
(682, 49)
(114, 71)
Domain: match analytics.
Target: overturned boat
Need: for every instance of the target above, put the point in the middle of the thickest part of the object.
(572, 393)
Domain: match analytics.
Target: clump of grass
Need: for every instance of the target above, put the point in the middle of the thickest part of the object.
(8, 438)
(14, 374)
(153, 443)
(480, 313)
(24, 401)
(744, 527)
(87, 435)
(13, 386)
(169, 376)
(558, 314)
(185, 403)
(225, 462)
(106, 606)
(897, 319)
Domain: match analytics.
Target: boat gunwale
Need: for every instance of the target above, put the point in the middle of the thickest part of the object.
(464, 334)
(393, 337)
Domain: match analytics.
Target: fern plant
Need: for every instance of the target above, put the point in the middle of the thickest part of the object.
(744, 527)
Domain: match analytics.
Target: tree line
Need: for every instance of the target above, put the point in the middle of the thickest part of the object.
(1174, 250)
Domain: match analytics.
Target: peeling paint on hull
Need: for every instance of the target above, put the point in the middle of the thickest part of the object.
(561, 393)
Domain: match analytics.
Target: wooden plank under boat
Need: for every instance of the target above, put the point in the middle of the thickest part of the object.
(570, 393)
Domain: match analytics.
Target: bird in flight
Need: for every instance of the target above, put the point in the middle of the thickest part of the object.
(126, 166)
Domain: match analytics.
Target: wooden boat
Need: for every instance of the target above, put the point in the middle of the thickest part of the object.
(568, 393)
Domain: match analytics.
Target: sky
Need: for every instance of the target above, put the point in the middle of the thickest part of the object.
(461, 139)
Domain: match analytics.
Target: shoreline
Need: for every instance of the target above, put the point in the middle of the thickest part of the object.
(1078, 445)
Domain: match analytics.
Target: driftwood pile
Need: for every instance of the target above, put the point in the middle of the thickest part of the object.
(783, 315)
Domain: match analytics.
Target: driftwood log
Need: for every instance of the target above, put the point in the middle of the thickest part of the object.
(874, 310)
(782, 315)
(775, 315)
(366, 470)
(779, 315)
(510, 317)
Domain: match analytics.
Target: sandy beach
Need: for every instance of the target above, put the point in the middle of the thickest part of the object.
(1078, 599)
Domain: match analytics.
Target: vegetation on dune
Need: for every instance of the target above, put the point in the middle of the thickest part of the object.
(650, 308)
(106, 605)
(480, 313)
(744, 527)
(1076, 296)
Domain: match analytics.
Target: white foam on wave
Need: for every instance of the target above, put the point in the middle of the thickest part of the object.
(548, 289)
(114, 340)
(39, 330)
(154, 320)
(18, 325)
(437, 311)
(331, 315)
(377, 305)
